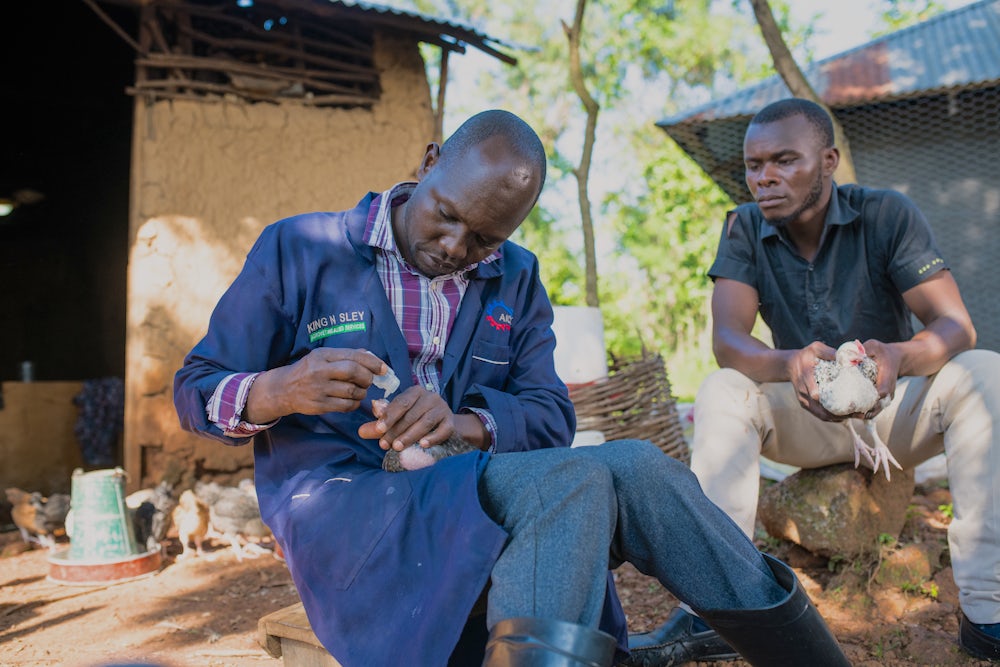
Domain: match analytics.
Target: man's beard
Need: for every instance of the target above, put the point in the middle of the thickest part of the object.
(811, 199)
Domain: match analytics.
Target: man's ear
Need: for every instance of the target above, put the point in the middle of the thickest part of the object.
(831, 159)
(431, 157)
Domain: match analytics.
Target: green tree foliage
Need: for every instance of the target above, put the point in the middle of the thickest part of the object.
(898, 14)
(562, 270)
(671, 232)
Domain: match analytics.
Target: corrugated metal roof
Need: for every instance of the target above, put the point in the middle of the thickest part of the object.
(424, 18)
(954, 49)
(459, 31)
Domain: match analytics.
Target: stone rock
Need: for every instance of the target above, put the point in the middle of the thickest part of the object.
(838, 509)
(911, 566)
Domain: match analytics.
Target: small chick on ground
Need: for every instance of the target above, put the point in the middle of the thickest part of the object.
(39, 519)
(151, 511)
(191, 518)
(847, 387)
(235, 516)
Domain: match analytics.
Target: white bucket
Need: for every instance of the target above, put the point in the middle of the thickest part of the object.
(588, 439)
(580, 355)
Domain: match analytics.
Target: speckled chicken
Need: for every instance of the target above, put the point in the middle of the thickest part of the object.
(846, 387)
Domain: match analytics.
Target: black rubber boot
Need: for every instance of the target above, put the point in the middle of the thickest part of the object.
(789, 633)
(977, 643)
(542, 642)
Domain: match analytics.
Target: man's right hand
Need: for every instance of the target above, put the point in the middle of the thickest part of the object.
(801, 373)
(325, 380)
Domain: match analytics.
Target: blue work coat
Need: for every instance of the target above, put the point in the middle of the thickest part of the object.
(388, 565)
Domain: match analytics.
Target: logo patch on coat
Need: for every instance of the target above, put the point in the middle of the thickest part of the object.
(499, 315)
(336, 323)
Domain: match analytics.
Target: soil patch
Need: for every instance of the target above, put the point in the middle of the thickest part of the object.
(203, 612)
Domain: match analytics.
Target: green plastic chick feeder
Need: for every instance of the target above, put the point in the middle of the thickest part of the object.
(102, 547)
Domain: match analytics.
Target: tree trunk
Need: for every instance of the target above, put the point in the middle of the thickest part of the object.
(796, 81)
(582, 171)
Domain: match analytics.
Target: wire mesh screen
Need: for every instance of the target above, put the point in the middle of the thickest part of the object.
(941, 150)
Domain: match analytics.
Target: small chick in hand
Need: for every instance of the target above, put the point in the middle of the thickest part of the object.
(415, 457)
(846, 387)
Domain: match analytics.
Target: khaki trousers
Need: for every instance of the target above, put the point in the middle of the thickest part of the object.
(954, 411)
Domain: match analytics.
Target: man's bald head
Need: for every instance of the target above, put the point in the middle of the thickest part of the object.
(516, 134)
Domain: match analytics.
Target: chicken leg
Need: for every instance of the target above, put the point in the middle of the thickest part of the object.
(876, 455)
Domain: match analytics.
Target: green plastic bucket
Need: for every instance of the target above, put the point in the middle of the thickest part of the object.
(102, 529)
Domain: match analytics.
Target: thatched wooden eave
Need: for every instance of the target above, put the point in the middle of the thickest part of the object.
(310, 52)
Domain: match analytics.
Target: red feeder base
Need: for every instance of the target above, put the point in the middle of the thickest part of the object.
(63, 570)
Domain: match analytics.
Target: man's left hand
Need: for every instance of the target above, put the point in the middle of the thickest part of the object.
(888, 359)
(414, 416)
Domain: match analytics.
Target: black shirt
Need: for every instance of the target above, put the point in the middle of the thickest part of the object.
(876, 245)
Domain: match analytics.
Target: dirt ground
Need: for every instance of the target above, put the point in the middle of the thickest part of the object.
(203, 612)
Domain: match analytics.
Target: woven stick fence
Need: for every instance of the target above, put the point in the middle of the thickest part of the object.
(634, 401)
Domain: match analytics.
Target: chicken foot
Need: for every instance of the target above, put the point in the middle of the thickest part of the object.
(876, 456)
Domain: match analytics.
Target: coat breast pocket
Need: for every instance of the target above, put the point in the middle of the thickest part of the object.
(490, 363)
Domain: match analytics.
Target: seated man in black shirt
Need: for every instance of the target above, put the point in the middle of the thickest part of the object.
(823, 264)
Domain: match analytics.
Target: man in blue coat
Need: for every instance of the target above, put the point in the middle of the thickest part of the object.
(421, 279)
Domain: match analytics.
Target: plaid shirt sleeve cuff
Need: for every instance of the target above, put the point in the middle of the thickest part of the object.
(489, 423)
(225, 407)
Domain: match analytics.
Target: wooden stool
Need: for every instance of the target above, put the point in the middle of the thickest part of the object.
(286, 634)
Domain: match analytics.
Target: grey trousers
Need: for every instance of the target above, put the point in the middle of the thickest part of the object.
(571, 514)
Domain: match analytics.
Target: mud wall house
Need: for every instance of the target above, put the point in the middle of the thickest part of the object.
(192, 125)
(921, 109)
